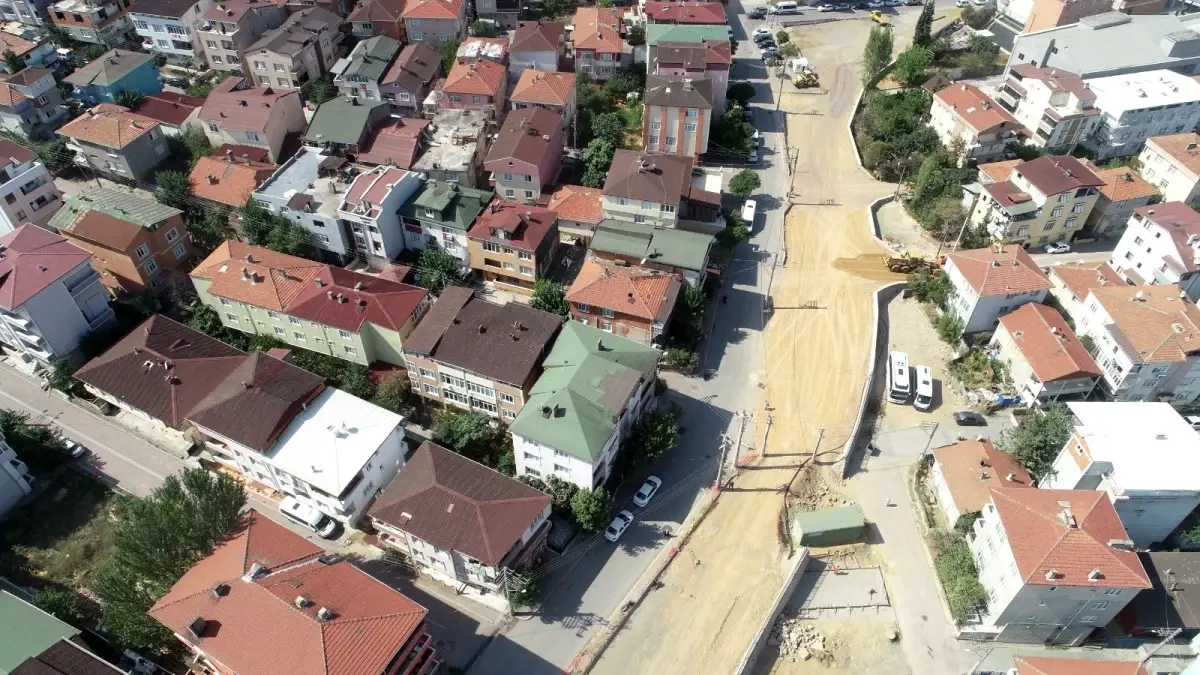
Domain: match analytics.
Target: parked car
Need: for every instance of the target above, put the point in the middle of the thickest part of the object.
(875, 4)
(647, 491)
(962, 3)
(825, 8)
(966, 418)
(759, 12)
(752, 157)
(770, 53)
(309, 517)
(618, 526)
(1194, 421)
(760, 32)
(980, 3)
(760, 38)
(180, 82)
(75, 450)
(756, 138)
(1057, 247)
(842, 6)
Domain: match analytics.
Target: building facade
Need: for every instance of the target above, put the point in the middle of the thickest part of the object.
(526, 156)
(27, 190)
(1046, 360)
(1172, 165)
(438, 216)
(963, 116)
(228, 29)
(512, 244)
(168, 27)
(371, 209)
(1161, 245)
(1139, 106)
(117, 70)
(991, 282)
(1044, 200)
(678, 115)
(99, 22)
(1056, 107)
(111, 139)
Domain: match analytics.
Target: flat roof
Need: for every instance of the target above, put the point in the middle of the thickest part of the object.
(295, 176)
(1149, 444)
(26, 631)
(1086, 48)
(327, 444)
(443, 152)
(1137, 91)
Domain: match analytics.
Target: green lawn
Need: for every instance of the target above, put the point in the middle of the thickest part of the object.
(62, 536)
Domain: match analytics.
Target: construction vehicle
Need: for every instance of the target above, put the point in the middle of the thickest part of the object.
(879, 18)
(806, 79)
(905, 263)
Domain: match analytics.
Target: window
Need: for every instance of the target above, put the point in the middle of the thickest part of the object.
(300, 337)
(280, 331)
(1063, 197)
(529, 456)
(529, 194)
(212, 127)
(508, 266)
(273, 315)
(430, 389)
(210, 43)
(605, 312)
(692, 113)
(1088, 620)
(151, 267)
(180, 251)
(507, 398)
(172, 234)
(1070, 224)
(142, 251)
(508, 176)
(260, 65)
(427, 374)
(231, 317)
(654, 126)
(279, 68)
(1113, 591)
(250, 135)
(561, 469)
(526, 270)
(350, 350)
(670, 141)
(345, 335)
(639, 218)
(141, 25)
(510, 193)
(585, 308)
(294, 320)
(224, 301)
(1078, 208)
(508, 414)
(690, 128)
(1056, 212)
(667, 208)
(528, 178)
(1137, 241)
(404, 96)
(1050, 226)
(1101, 605)
(653, 139)
(647, 205)
(476, 100)
(414, 35)
(606, 326)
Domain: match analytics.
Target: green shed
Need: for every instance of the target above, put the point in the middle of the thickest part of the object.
(830, 527)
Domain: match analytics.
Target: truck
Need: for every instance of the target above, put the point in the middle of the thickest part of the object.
(879, 18)
(905, 263)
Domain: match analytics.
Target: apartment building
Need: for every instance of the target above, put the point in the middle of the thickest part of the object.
(378, 17)
(679, 252)
(1070, 284)
(263, 574)
(168, 27)
(1139, 106)
(964, 473)
(239, 113)
(31, 13)
(117, 70)
(433, 22)
(475, 84)
(457, 141)
(396, 143)
(230, 180)
(551, 91)
(1046, 360)
(506, 13)
(299, 51)
(314, 208)
(410, 79)
(1045, 14)
(34, 53)
(1147, 340)
(15, 479)
(594, 387)
(480, 356)
(1139, 455)
(18, 116)
(537, 45)
(962, 115)
(439, 214)
(137, 244)
(526, 155)
(626, 300)
(704, 60)
(371, 207)
(176, 113)
(1055, 564)
(656, 189)
(27, 190)
(580, 210)
(340, 125)
(37, 85)
(1161, 245)
(359, 73)
(1056, 107)
(111, 139)
(991, 282)
(512, 244)
(321, 308)
(1172, 165)
(50, 296)
(1123, 192)
(99, 22)
(1147, 43)
(1044, 200)
(599, 47)
(678, 115)
(230, 28)
(687, 13)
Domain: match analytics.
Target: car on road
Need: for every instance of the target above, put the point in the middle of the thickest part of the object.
(760, 38)
(770, 53)
(729, 30)
(875, 4)
(307, 516)
(647, 491)
(1057, 247)
(966, 418)
(618, 526)
(75, 450)
(756, 138)
(1193, 421)
(180, 82)
(980, 3)
(825, 8)
(760, 32)
(962, 3)
(752, 157)
(759, 12)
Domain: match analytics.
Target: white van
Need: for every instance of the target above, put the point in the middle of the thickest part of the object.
(308, 517)
(785, 7)
(749, 211)
(924, 396)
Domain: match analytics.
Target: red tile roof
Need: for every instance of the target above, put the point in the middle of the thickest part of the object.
(456, 504)
(1181, 224)
(169, 108)
(976, 109)
(711, 13)
(536, 36)
(15, 154)
(32, 259)
(536, 86)
(1053, 174)
(598, 29)
(433, 9)
(1081, 277)
(577, 204)
(254, 627)
(377, 10)
(646, 294)
(220, 180)
(1123, 183)
(1048, 344)
(9, 96)
(1000, 270)
(1053, 665)
(525, 226)
(1185, 148)
(109, 125)
(998, 172)
(479, 77)
(972, 468)
(17, 45)
(1043, 541)
(242, 109)
(397, 141)
(1154, 322)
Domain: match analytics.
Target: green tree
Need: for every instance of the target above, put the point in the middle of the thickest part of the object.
(437, 269)
(524, 591)
(62, 374)
(591, 509)
(61, 602)
(877, 53)
(682, 358)
(636, 36)
(290, 238)
(54, 154)
(174, 189)
(209, 230)
(608, 127)
(93, 52)
(321, 90)
(1037, 440)
(561, 492)
(470, 434)
(782, 37)
(744, 183)
(731, 133)
(622, 82)
(931, 287)
(130, 98)
(788, 50)
(12, 62)
(448, 50)
(956, 570)
(924, 31)
(1089, 344)
(598, 158)
(950, 328)
(694, 302)
(484, 29)
(549, 296)
(978, 17)
(393, 393)
(206, 320)
(197, 143)
(653, 435)
(741, 93)
(507, 463)
(911, 66)
(57, 35)
(38, 445)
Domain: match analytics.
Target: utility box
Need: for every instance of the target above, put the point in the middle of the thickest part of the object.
(830, 527)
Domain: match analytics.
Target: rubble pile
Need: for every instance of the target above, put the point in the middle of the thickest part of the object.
(796, 640)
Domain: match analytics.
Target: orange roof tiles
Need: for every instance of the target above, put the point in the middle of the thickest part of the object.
(1000, 270)
(17, 45)
(219, 180)
(1048, 344)
(9, 95)
(577, 204)
(433, 9)
(998, 172)
(479, 77)
(1123, 183)
(1081, 277)
(536, 86)
(1153, 321)
(109, 125)
(526, 226)
(972, 468)
(1185, 148)
(710, 13)
(1053, 665)
(975, 108)
(634, 291)
(598, 29)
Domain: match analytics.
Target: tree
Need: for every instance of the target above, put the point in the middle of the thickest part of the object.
(877, 53)
(561, 492)
(549, 296)
(591, 509)
(1037, 440)
(209, 230)
(290, 238)
(745, 183)
(788, 50)
(321, 90)
(393, 393)
(448, 50)
(653, 435)
(174, 189)
(93, 52)
(623, 82)
(636, 36)
(741, 93)
(731, 133)
(57, 35)
(911, 66)
(978, 18)
(507, 463)
(950, 328)
(924, 32)
(206, 320)
(197, 144)
(782, 37)
(484, 29)
(931, 287)
(62, 373)
(694, 303)
(12, 62)
(54, 154)
(437, 269)
(524, 591)
(61, 602)
(598, 158)
(608, 127)
(129, 98)
(38, 445)
(469, 434)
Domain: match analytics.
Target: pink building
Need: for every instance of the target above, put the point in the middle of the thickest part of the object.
(28, 189)
(707, 60)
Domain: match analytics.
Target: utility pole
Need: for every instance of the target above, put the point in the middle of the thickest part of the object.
(723, 442)
(961, 230)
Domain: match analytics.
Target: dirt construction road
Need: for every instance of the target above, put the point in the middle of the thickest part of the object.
(717, 592)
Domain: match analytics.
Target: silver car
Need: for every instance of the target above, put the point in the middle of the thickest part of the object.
(618, 526)
(647, 491)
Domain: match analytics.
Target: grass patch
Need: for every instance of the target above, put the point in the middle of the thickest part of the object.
(957, 573)
(62, 536)
(631, 115)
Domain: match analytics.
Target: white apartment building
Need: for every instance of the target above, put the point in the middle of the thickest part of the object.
(991, 282)
(27, 190)
(14, 478)
(1161, 245)
(962, 114)
(1046, 361)
(309, 197)
(1147, 340)
(1139, 106)
(1172, 165)
(1056, 107)
(964, 473)
(1044, 200)
(371, 208)
(1055, 564)
(168, 27)
(1144, 456)
(1070, 284)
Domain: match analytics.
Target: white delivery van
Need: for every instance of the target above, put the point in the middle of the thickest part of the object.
(749, 211)
(785, 7)
(308, 517)
(924, 396)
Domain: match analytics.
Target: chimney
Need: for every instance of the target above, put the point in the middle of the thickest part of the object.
(319, 283)
(547, 411)
(1065, 516)
(210, 179)
(1095, 575)
(246, 158)
(1121, 544)
(358, 285)
(302, 602)
(220, 590)
(229, 155)
(196, 627)
(1012, 477)
(1051, 575)
(324, 614)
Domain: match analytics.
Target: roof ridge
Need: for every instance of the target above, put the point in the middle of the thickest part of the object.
(1043, 516)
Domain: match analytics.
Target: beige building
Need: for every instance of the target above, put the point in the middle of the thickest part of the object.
(1122, 192)
(962, 114)
(1070, 283)
(239, 113)
(656, 189)
(228, 28)
(1045, 200)
(1046, 361)
(678, 115)
(301, 50)
(1172, 165)
(513, 244)
(1054, 13)
(1056, 107)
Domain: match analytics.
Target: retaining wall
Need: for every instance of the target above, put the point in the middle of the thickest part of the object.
(754, 650)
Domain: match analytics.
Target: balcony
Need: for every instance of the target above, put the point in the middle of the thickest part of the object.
(79, 284)
(16, 320)
(29, 337)
(1047, 126)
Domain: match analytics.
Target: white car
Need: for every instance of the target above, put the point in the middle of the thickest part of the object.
(1059, 247)
(309, 517)
(758, 32)
(962, 3)
(647, 491)
(618, 526)
(825, 8)
(980, 3)
(752, 157)
(75, 450)
(1194, 421)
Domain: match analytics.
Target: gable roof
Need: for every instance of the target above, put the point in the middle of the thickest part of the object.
(25, 77)
(396, 141)
(1184, 148)
(172, 8)
(297, 31)
(377, 10)
(228, 182)
(998, 172)
(11, 153)
(502, 342)
(976, 109)
(1054, 665)
(538, 36)
(647, 294)
(1152, 322)
(476, 77)
(679, 92)
(525, 226)
(1000, 270)
(712, 13)
(1180, 223)
(243, 109)
(663, 179)
(32, 260)
(1048, 344)
(433, 9)
(526, 137)
(598, 29)
(169, 108)
(578, 204)
(263, 632)
(1043, 541)
(657, 33)
(416, 62)
(371, 58)
(109, 69)
(108, 125)
(1081, 277)
(972, 468)
(1052, 174)
(344, 120)
(536, 86)
(119, 204)
(695, 55)
(65, 657)
(454, 205)
(26, 631)
(666, 246)
(16, 44)
(456, 504)
(1123, 183)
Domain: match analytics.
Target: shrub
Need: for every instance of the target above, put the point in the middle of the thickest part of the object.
(950, 328)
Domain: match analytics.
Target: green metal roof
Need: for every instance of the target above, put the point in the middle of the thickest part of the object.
(842, 524)
(116, 203)
(586, 381)
(343, 120)
(658, 32)
(371, 57)
(455, 205)
(26, 631)
(669, 246)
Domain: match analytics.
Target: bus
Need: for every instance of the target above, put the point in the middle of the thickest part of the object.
(924, 397)
(899, 380)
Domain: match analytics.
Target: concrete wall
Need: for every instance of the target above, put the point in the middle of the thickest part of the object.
(759, 642)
